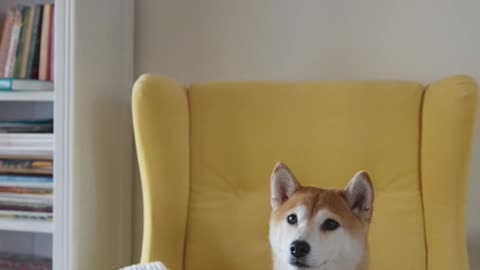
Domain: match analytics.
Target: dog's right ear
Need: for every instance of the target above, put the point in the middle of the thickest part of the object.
(282, 186)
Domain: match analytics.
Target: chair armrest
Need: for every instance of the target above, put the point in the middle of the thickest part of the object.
(448, 119)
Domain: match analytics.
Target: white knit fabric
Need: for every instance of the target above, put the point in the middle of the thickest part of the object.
(146, 266)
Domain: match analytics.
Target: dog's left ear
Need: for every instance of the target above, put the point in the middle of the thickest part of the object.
(359, 194)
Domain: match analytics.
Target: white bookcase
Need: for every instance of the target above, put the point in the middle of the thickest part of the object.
(26, 236)
(93, 152)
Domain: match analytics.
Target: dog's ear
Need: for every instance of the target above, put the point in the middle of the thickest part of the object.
(359, 195)
(282, 185)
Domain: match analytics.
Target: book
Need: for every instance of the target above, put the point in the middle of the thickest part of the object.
(37, 171)
(43, 121)
(26, 41)
(8, 206)
(9, 84)
(26, 198)
(12, 50)
(27, 126)
(52, 46)
(26, 11)
(26, 206)
(25, 190)
(13, 261)
(26, 145)
(26, 129)
(26, 178)
(25, 166)
(38, 152)
(25, 138)
(44, 68)
(26, 215)
(26, 185)
(34, 53)
(5, 41)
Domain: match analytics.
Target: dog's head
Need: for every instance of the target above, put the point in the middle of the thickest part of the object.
(319, 228)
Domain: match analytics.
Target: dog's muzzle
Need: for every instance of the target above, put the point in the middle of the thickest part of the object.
(299, 250)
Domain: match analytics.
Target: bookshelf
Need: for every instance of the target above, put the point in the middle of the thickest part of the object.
(93, 153)
(26, 96)
(32, 236)
(15, 225)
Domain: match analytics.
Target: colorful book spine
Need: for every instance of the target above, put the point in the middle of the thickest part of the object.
(27, 40)
(45, 43)
(5, 42)
(24, 190)
(23, 179)
(24, 262)
(34, 54)
(12, 51)
(21, 43)
(26, 185)
(26, 214)
(25, 207)
(19, 166)
(52, 45)
(12, 198)
(25, 163)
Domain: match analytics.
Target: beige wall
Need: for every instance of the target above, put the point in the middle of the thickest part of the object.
(310, 39)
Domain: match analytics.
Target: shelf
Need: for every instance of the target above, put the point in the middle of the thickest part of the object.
(26, 96)
(32, 153)
(25, 225)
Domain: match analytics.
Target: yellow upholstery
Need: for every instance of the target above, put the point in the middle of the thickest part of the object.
(206, 154)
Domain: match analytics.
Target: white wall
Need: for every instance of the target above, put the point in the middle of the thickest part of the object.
(313, 39)
(94, 75)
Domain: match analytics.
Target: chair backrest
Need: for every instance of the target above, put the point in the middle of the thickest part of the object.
(206, 154)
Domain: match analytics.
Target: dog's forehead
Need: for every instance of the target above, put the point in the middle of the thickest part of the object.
(317, 199)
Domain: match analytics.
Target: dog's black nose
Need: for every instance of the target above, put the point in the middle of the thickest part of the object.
(299, 248)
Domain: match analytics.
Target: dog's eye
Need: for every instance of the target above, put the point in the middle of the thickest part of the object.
(330, 225)
(292, 219)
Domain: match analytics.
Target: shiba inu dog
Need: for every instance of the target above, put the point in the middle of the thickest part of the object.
(319, 229)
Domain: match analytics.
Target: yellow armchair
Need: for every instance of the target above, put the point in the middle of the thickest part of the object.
(206, 152)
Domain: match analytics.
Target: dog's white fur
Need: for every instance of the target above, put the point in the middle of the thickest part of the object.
(335, 251)
(342, 249)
